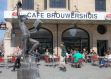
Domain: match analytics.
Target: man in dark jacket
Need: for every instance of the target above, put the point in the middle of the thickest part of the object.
(17, 63)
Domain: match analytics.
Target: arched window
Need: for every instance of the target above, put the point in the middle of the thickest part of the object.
(76, 38)
(45, 38)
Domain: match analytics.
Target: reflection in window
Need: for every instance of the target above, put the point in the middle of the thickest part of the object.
(42, 33)
(57, 3)
(75, 33)
(28, 4)
(45, 38)
(100, 5)
(75, 38)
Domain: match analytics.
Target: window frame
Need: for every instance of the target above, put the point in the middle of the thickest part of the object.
(49, 8)
(98, 6)
(27, 7)
(59, 4)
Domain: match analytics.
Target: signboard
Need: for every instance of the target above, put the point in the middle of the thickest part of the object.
(60, 15)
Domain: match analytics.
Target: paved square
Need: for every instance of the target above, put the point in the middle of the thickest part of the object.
(46, 72)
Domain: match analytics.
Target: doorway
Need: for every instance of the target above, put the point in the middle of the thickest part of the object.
(102, 47)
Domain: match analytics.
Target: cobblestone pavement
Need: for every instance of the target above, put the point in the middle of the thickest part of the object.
(50, 72)
(6, 72)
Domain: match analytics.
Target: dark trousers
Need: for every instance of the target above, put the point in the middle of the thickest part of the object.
(102, 61)
(17, 64)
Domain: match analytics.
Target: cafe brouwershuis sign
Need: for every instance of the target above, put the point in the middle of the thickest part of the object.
(60, 15)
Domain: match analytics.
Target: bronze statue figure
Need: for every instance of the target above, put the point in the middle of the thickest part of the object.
(26, 32)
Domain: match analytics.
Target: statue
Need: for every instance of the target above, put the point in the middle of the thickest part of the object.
(27, 67)
(26, 32)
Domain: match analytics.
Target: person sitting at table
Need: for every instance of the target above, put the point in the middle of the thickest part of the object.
(109, 56)
(94, 57)
(46, 56)
(84, 53)
(103, 61)
(77, 56)
(47, 52)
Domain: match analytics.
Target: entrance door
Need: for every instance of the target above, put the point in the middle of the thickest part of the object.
(102, 47)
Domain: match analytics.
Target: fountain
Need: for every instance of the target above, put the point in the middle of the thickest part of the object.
(28, 69)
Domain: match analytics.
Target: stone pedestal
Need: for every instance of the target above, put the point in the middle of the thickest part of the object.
(28, 71)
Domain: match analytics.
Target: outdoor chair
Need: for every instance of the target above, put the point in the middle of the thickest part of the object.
(13, 59)
(1, 59)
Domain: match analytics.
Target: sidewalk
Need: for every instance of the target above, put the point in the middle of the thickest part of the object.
(46, 72)
(7, 73)
(86, 72)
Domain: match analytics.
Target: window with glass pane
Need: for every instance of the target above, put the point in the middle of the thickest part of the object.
(57, 4)
(100, 5)
(28, 4)
(45, 4)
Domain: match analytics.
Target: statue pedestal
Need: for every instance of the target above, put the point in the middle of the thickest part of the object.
(28, 71)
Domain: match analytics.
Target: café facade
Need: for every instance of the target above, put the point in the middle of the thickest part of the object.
(74, 27)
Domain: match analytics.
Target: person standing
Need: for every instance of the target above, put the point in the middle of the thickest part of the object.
(62, 58)
(17, 63)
